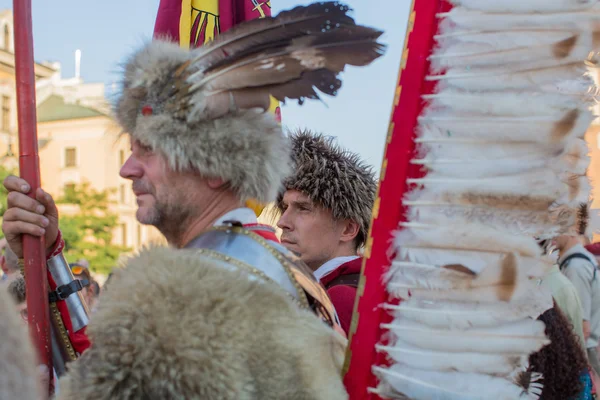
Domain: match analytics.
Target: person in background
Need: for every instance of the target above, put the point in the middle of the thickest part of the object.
(82, 272)
(325, 213)
(562, 363)
(580, 267)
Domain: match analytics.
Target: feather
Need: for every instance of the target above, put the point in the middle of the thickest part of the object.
(507, 272)
(531, 6)
(503, 292)
(491, 364)
(503, 79)
(519, 220)
(428, 385)
(539, 186)
(461, 20)
(567, 47)
(524, 336)
(504, 103)
(254, 34)
(459, 234)
(460, 315)
(545, 129)
(329, 51)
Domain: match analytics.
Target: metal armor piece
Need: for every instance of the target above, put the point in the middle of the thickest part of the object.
(62, 275)
(235, 247)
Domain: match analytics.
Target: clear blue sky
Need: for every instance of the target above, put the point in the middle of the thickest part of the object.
(108, 30)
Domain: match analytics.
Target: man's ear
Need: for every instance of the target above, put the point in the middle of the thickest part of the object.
(350, 231)
(215, 183)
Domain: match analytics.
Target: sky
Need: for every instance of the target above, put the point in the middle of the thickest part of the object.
(107, 31)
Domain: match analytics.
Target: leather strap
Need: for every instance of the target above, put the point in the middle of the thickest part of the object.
(345, 280)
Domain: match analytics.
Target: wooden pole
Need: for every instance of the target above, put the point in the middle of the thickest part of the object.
(36, 280)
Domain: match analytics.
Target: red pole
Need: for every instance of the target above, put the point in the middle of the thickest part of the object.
(389, 211)
(33, 248)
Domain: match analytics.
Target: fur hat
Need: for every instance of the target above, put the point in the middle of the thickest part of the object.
(198, 107)
(19, 377)
(332, 177)
(246, 148)
(176, 325)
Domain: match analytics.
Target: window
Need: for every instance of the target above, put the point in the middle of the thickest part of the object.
(121, 158)
(6, 113)
(70, 157)
(6, 37)
(124, 234)
(122, 194)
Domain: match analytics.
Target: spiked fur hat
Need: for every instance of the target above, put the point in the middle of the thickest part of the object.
(203, 109)
(332, 177)
(176, 325)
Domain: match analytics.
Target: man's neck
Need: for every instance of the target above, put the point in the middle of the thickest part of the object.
(203, 222)
(340, 252)
(568, 247)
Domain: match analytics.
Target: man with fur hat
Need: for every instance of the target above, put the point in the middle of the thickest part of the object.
(325, 214)
(201, 146)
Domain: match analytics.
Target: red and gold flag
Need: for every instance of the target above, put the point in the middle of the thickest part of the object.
(193, 23)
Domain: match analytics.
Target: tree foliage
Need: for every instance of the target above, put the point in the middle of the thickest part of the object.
(89, 232)
(4, 172)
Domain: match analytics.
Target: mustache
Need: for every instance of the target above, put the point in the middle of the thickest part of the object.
(141, 186)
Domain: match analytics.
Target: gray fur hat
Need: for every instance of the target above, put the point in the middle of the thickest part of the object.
(246, 148)
(333, 178)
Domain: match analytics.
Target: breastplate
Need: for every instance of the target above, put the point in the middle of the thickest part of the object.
(234, 247)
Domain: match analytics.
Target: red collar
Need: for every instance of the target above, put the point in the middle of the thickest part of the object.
(264, 231)
(350, 267)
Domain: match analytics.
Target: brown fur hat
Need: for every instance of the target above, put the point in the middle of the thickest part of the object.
(333, 178)
(19, 377)
(247, 148)
(177, 325)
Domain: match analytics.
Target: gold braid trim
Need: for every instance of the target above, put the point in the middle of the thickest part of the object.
(63, 335)
(285, 263)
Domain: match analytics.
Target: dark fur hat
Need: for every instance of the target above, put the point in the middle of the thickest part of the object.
(333, 178)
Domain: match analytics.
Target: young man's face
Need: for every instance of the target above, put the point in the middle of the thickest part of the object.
(308, 229)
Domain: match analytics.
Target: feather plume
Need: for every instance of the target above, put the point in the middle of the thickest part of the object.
(507, 272)
(507, 104)
(524, 336)
(491, 364)
(524, 218)
(459, 20)
(503, 292)
(460, 315)
(531, 6)
(546, 129)
(259, 64)
(255, 33)
(458, 234)
(551, 47)
(500, 144)
(426, 385)
(502, 79)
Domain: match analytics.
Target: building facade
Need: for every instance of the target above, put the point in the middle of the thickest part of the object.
(78, 141)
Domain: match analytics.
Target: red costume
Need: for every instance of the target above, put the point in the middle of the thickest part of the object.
(341, 285)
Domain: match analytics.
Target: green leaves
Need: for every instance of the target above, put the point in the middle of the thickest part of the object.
(88, 232)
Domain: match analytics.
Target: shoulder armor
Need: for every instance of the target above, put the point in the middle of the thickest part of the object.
(240, 248)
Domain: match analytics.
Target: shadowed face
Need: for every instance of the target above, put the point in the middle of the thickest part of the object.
(165, 198)
(310, 230)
